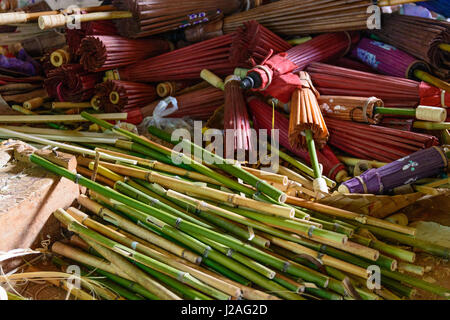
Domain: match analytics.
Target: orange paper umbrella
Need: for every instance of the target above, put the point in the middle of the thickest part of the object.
(307, 126)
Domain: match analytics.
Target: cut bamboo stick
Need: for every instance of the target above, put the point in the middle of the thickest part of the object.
(138, 231)
(184, 186)
(63, 146)
(59, 118)
(350, 215)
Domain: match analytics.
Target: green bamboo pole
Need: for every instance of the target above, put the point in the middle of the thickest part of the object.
(305, 230)
(261, 269)
(211, 257)
(396, 252)
(300, 166)
(109, 284)
(289, 284)
(220, 269)
(137, 149)
(300, 214)
(184, 159)
(185, 291)
(410, 241)
(222, 164)
(411, 268)
(397, 287)
(130, 285)
(139, 231)
(431, 125)
(136, 256)
(324, 294)
(222, 223)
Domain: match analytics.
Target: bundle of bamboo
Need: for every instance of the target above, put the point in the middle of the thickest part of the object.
(71, 83)
(100, 52)
(122, 96)
(146, 230)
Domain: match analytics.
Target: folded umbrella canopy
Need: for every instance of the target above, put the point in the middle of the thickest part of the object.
(158, 16)
(72, 83)
(425, 39)
(99, 52)
(262, 119)
(121, 96)
(74, 36)
(274, 76)
(392, 61)
(375, 142)
(394, 91)
(418, 165)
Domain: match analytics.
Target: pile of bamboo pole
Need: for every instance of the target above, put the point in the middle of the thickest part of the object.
(159, 229)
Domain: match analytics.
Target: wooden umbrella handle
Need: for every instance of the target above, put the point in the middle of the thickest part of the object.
(60, 20)
(13, 18)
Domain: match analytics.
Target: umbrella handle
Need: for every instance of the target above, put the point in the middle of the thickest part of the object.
(445, 47)
(426, 77)
(320, 185)
(212, 79)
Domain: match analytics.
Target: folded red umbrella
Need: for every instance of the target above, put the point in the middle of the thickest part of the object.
(185, 63)
(394, 91)
(265, 77)
(74, 36)
(376, 142)
(116, 95)
(72, 83)
(198, 105)
(262, 119)
(99, 52)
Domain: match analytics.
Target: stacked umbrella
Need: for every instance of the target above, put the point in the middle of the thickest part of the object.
(122, 96)
(376, 142)
(159, 16)
(71, 82)
(100, 53)
(394, 91)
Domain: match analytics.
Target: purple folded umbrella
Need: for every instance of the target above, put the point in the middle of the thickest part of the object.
(387, 59)
(17, 65)
(419, 165)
